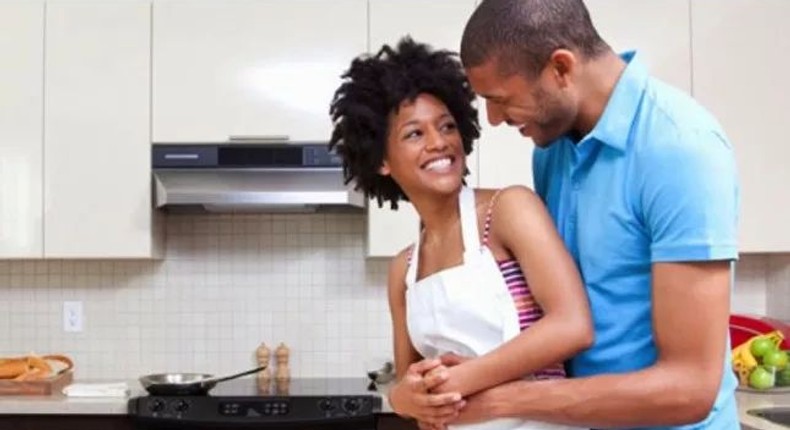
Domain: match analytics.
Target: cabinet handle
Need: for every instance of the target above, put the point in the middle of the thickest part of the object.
(259, 138)
(181, 156)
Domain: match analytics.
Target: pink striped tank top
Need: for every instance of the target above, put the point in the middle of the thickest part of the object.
(528, 309)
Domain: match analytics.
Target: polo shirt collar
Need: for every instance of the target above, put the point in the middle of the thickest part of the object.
(614, 125)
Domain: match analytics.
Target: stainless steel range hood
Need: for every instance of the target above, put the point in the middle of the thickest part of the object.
(251, 178)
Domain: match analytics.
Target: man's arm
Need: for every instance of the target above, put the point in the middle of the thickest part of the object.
(691, 314)
(687, 195)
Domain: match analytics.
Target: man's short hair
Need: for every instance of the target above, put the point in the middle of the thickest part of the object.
(521, 35)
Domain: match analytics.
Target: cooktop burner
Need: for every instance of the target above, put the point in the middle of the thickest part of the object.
(312, 402)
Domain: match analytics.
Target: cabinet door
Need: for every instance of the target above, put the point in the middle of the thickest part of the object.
(21, 113)
(658, 30)
(97, 167)
(440, 24)
(263, 69)
(740, 74)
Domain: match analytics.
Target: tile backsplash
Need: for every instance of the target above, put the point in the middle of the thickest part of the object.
(230, 282)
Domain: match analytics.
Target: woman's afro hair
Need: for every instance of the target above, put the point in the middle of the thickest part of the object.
(373, 88)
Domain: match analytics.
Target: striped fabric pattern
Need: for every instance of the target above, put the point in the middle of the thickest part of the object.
(528, 309)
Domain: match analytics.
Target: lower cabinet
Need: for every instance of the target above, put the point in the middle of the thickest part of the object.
(394, 422)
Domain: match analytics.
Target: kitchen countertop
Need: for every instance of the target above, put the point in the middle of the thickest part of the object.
(59, 404)
(748, 401)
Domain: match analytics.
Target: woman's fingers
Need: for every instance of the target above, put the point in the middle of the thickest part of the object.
(423, 366)
(435, 400)
(435, 377)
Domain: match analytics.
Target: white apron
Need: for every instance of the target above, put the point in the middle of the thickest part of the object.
(466, 309)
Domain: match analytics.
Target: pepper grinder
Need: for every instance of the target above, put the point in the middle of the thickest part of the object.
(283, 372)
(263, 354)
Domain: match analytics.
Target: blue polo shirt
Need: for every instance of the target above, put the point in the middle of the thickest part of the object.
(654, 181)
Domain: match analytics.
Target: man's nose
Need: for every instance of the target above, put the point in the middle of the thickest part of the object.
(495, 114)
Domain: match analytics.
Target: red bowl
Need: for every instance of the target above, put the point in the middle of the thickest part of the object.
(744, 327)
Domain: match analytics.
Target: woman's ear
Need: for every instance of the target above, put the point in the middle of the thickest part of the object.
(384, 170)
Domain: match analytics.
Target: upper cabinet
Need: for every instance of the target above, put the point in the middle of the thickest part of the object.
(658, 30)
(21, 140)
(440, 24)
(97, 171)
(262, 70)
(740, 74)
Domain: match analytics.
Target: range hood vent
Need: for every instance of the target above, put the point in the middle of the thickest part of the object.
(251, 178)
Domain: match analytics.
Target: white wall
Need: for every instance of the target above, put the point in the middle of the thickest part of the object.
(230, 282)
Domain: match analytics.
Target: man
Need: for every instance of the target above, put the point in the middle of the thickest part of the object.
(641, 183)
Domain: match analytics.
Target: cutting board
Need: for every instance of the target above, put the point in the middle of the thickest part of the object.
(43, 387)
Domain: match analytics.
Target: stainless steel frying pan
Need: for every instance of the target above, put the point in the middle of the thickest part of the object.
(186, 384)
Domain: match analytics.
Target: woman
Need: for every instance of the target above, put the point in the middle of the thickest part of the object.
(489, 277)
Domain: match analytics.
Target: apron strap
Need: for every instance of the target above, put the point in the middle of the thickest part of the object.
(469, 234)
(469, 230)
(413, 261)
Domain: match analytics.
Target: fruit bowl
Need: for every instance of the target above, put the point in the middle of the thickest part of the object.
(774, 390)
(762, 365)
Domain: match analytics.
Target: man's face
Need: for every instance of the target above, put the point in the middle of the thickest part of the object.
(538, 107)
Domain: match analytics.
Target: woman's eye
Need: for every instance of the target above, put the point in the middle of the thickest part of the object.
(449, 126)
(413, 134)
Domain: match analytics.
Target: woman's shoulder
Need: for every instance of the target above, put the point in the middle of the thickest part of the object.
(518, 194)
(398, 267)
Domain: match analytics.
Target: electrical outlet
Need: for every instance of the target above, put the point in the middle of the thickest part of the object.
(72, 317)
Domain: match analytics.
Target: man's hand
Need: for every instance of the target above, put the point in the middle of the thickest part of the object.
(412, 396)
(479, 407)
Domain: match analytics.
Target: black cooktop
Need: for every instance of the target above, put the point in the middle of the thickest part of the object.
(293, 387)
(347, 403)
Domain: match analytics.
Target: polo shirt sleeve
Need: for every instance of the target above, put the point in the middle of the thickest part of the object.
(690, 198)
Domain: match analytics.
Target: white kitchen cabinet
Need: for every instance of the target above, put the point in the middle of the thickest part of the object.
(21, 113)
(658, 30)
(261, 69)
(740, 74)
(97, 177)
(440, 24)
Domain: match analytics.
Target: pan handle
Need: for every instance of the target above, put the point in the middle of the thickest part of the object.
(214, 381)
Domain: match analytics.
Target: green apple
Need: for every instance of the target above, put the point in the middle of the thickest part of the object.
(776, 359)
(761, 346)
(761, 378)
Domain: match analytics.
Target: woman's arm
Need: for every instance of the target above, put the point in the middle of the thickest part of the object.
(410, 395)
(522, 227)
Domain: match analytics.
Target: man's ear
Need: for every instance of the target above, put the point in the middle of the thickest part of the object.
(384, 170)
(563, 63)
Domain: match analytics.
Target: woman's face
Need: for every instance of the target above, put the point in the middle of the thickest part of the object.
(425, 153)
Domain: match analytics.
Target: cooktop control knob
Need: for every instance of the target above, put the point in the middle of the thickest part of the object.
(156, 405)
(326, 405)
(181, 406)
(352, 405)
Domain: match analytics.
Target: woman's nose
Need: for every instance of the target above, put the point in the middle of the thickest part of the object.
(436, 140)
